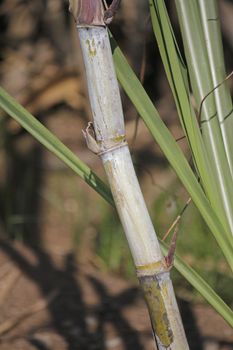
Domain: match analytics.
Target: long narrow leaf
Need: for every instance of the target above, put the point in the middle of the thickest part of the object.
(175, 69)
(211, 27)
(202, 84)
(53, 144)
(159, 131)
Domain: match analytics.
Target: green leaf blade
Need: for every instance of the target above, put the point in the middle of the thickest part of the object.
(53, 144)
(173, 153)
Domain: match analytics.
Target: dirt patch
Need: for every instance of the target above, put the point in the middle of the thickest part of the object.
(83, 308)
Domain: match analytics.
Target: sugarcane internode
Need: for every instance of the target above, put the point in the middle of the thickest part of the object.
(152, 289)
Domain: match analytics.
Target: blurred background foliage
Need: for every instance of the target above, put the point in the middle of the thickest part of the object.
(44, 204)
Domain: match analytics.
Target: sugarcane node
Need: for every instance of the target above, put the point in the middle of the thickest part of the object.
(102, 147)
(115, 146)
(87, 12)
(154, 268)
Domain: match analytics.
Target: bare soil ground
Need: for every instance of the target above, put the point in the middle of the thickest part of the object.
(52, 302)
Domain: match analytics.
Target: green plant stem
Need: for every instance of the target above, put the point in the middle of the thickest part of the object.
(202, 84)
(210, 20)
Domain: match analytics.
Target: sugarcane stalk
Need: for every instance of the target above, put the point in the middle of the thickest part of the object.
(106, 137)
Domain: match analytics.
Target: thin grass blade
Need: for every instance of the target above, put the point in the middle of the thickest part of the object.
(202, 83)
(53, 144)
(177, 77)
(173, 153)
(211, 26)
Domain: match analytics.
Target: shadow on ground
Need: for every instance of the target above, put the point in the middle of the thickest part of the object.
(69, 313)
(68, 310)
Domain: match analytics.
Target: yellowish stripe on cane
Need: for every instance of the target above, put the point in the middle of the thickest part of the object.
(153, 268)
